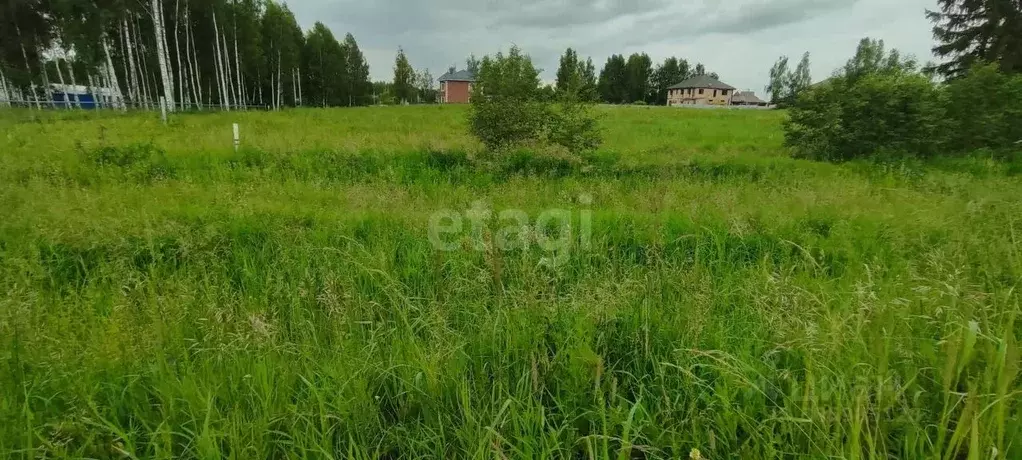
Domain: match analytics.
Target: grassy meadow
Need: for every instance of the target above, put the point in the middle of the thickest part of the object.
(163, 296)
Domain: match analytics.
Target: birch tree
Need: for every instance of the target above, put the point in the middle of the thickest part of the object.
(60, 78)
(143, 67)
(161, 54)
(127, 55)
(221, 79)
(238, 78)
(193, 59)
(229, 73)
(112, 77)
(177, 52)
(28, 67)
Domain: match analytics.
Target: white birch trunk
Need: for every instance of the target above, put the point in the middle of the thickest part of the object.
(60, 78)
(115, 85)
(280, 86)
(177, 52)
(128, 99)
(161, 55)
(166, 58)
(143, 67)
(28, 68)
(294, 88)
(193, 62)
(300, 98)
(237, 67)
(259, 85)
(129, 65)
(46, 79)
(221, 87)
(173, 105)
(228, 72)
(96, 103)
(5, 92)
(74, 82)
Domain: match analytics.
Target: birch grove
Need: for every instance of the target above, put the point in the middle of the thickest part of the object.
(6, 98)
(228, 53)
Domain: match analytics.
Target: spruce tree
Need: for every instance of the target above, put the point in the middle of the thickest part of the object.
(974, 31)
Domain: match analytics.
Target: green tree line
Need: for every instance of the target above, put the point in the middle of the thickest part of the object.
(193, 53)
(622, 80)
(881, 104)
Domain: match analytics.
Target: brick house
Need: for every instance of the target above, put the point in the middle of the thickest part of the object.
(748, 98)
(702, 90)
(456, 86)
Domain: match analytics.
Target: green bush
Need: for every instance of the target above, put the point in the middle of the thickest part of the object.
(898, 113)
(510, 109)
(574, 127)
(985, 111)
(506, 110)
(880, 105)
(505, 123)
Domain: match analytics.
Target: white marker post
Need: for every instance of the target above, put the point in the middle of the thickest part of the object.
(237, 137)
(163, 109)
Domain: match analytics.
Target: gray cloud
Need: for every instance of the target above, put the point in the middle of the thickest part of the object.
(564, 13)
(742, 18)
(738, 39)
(767, 15)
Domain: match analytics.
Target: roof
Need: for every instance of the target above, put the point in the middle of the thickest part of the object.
(747, 97)
(702, 81)
(461, 75)
(82, 89)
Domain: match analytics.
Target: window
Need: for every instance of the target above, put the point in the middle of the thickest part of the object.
(724, 93)
(700, 91)
(714, 93)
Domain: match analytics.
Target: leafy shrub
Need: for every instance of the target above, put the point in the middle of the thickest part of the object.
(505, 106)
(985, 110)
(574, 127)
(510, 109)
(503, 123)
(879, 105)
(896, 113)
(639, 103)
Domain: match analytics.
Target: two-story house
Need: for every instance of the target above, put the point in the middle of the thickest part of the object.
(702, 90)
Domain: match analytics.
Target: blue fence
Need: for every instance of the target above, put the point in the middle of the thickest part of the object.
(86, 100)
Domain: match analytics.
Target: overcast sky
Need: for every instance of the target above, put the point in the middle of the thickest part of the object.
(738, 39)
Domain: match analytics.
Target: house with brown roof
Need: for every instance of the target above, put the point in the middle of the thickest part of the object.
(456, 86)
(748, 98)
(700, 90)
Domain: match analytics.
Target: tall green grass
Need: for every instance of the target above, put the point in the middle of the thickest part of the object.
(162, 296)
